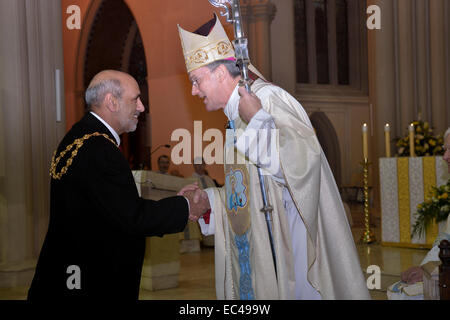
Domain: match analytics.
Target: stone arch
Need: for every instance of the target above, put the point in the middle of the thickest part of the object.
(110, 27)
(329, 141)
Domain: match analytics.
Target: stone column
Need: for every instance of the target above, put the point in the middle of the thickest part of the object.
(30, 51)
(422, 58)
(438, 66)
(382, 85)
(258, 15)
(283, 47)
(406, 63)
(382, 66)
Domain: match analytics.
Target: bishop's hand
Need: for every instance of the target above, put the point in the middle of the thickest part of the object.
(249, 104)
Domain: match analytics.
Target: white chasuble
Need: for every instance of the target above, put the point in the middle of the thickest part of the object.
(244, 264)
(243, 258)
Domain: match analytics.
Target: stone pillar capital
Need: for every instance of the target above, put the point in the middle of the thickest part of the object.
(258, 10)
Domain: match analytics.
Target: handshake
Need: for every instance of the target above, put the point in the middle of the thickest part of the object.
(198, 201)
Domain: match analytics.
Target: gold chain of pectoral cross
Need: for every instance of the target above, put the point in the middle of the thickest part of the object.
(78, 143)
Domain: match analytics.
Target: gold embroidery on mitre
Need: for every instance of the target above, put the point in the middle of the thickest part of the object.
(208, 54)
(200, 56)
(201, 50)
(223, 48)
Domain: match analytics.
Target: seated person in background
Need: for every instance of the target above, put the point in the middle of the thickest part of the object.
(202, 175)
(163, 164)
(411, 285)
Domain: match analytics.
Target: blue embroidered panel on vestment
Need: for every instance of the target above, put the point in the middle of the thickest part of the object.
(245, 280)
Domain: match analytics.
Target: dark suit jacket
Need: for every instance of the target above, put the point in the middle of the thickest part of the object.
(99, 223)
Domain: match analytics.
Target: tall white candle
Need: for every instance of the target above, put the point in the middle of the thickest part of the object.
(365, 143)
(387, 139)
(412, 152)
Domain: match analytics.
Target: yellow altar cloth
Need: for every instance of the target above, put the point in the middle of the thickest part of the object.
(404, 183)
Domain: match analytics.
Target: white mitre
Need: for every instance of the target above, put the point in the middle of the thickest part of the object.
(200, 50)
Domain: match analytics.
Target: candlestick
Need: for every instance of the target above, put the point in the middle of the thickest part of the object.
(411, 141)
(368, 236)
(365, 144)
(387, 138)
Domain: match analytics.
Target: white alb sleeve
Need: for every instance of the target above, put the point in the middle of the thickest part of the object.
(208, 229)
(259, 143)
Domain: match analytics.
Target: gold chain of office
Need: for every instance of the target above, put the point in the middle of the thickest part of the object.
(78, 143)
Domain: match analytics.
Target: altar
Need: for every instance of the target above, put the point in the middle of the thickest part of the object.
(404, 183)
(162, 255)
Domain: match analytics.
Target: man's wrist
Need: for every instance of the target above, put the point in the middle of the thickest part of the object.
(189, 205)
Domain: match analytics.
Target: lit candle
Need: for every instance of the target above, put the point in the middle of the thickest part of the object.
(365, 146)
(411, 141)
(387, 138)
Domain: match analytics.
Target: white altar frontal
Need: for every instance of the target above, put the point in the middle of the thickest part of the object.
(404, 183)
(162, 255)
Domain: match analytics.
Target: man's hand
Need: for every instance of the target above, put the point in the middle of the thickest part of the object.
(198, 201)
(249, 104)
(189, 187)
(412, 275)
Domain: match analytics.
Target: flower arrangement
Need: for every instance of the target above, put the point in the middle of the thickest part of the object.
(435, 208)
(425, 144)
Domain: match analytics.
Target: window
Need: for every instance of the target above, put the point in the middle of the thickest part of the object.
(320, 25)
(330, 41)
(301, 51)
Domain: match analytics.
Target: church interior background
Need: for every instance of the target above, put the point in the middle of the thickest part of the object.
(321, 51)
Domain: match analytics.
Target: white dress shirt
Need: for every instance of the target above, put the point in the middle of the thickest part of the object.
(114, 133)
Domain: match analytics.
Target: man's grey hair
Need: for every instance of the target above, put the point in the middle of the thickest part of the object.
(231, 66)
(95, 94)
(447, 133)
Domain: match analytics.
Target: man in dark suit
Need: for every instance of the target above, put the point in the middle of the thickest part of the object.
(95, 243)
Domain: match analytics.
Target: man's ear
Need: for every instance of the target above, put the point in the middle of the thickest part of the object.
(221, 72)
(111, 102)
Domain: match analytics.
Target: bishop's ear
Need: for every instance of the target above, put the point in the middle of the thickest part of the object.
(220, 72)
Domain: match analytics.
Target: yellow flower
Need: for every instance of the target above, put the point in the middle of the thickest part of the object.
(444, 195)
(432, 142)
